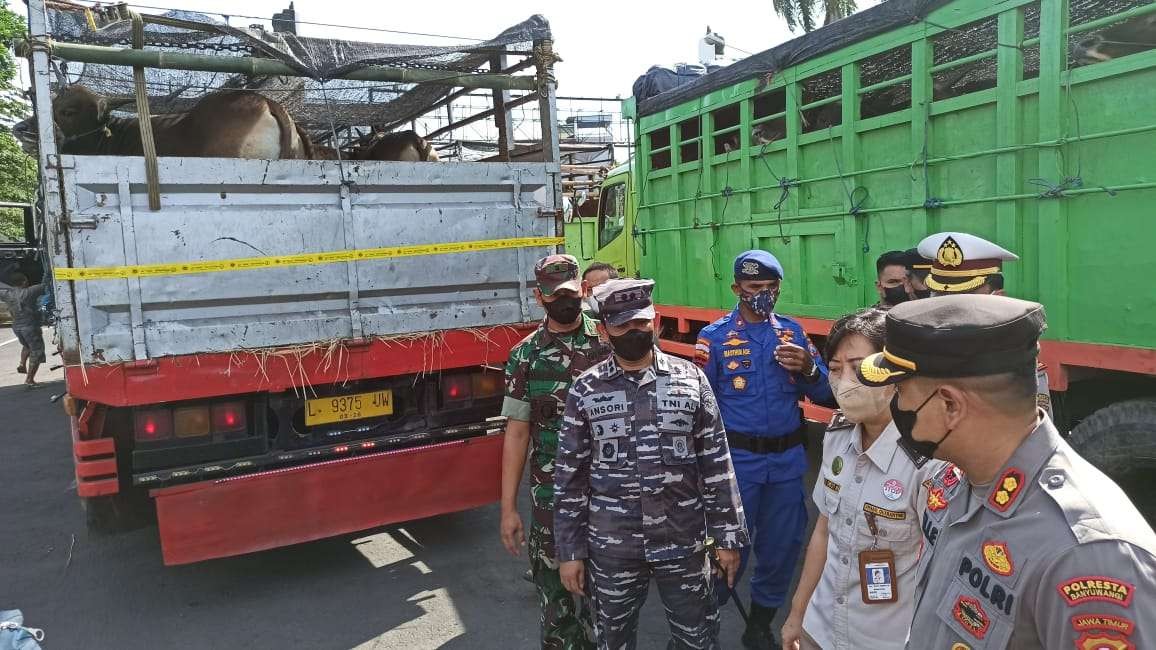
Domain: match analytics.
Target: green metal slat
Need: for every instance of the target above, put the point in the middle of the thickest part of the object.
(1053, 242)
(920, 124)
(1009, 175)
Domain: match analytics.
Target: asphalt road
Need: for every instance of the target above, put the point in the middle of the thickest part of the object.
(443, 582)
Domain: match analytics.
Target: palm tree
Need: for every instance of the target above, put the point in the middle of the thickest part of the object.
(804, 12)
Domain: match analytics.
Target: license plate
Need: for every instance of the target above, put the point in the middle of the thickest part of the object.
(342, 408)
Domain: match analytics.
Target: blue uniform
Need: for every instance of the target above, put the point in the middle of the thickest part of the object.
(759, 399)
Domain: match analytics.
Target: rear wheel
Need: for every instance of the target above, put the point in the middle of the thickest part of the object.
(1120, 439)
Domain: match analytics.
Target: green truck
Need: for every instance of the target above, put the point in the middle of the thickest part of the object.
(1032, 124)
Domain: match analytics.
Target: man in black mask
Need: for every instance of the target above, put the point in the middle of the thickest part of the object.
(538, 376)
(1031, 547)
(643, 477)
(892, 280)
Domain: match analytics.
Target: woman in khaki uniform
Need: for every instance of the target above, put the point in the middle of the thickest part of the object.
(859, 574)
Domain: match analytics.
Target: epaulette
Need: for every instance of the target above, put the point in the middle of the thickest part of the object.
(839, 421)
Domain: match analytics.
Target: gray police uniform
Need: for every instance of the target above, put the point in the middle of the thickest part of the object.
(643, 476)
(1051, 553)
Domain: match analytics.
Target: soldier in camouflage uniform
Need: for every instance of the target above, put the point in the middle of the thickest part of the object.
(643, 477)
(538, 377)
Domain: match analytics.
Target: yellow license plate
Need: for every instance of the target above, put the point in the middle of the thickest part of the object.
(326, 410)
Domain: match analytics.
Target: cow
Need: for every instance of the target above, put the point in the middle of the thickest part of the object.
(1129, 37)
(224, 124)
(314, 151)
(398, 145)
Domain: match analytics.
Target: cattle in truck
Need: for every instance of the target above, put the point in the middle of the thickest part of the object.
(226, 124)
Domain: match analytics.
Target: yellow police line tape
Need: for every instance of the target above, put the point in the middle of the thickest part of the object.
(303, 259)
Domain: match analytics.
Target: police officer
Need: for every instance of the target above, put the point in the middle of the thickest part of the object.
(1035, 548)
(538, 376)
(963, 263)
(760, 364)
(643, 477)
(918, 269)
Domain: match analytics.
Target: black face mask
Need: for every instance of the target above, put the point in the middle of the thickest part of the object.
(563, 309)
(632, 345)
(919, 451)
(920, 294)
(895, 295)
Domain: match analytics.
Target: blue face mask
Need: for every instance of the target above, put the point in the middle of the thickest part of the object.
(762, 303)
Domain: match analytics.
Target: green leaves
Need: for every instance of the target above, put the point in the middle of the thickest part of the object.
(803, 13)
(18, 173)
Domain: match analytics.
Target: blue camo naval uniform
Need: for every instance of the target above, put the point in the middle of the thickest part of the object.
(758, 399)
(643, 476)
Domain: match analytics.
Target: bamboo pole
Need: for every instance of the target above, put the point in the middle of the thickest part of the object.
(270, 67)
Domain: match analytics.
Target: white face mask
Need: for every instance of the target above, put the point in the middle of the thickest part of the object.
(859, 402)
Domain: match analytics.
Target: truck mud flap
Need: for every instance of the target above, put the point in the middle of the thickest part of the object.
(244, 514)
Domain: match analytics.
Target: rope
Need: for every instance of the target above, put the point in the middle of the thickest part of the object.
(144, 117)
(855, 207)
(785, 185)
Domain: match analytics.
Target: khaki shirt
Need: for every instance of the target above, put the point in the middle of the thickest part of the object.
(1051, 554)
(851, 483)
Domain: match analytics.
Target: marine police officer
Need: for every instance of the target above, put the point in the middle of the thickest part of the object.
(760, 364)
(538, 376)
(1035, 548)
(643, 477)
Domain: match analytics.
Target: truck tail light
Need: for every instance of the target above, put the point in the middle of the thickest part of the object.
(191, 421)
(229, 417)
(488, 384)
(456, 388)
(149, 426)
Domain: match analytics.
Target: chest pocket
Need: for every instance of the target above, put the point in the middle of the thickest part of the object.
(676, 430)
(830, 499)
(609, 442)
(901, 536)
(740, 374)
(974, 619)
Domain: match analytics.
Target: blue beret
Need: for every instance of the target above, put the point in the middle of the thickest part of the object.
(757, 265)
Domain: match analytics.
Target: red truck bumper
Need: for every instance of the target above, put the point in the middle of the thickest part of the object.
(232, 516)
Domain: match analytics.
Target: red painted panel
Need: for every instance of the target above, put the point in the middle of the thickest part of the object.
(261, 511)
(211, 375)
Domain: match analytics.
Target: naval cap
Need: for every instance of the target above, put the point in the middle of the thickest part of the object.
(621, 301)
(967, 335)
(961, 262)
(757, 265)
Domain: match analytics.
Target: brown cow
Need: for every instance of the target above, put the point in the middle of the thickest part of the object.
(227, 124)
(314, 151)
(399, 145)
(1129, 37)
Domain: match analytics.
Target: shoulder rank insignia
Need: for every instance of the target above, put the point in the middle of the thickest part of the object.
(1007, 489)
(839, 421)
(997, 557)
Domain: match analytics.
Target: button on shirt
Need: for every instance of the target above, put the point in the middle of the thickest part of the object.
(1050, 554)
(852, 483)
(643, 468)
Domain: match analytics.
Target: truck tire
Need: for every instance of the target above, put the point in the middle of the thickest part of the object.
(1120, 440)
(116, 513)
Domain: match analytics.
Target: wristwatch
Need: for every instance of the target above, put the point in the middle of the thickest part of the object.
(814, 373)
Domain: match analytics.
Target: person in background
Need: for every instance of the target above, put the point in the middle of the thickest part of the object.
(643, 479)
(597, 274)
(538, 377)
(891, 279)
(1035, 548)
(858, 581)
(917, 270)
(21, 300)
(963, 263)
(760, 364)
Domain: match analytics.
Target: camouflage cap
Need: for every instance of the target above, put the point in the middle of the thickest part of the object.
(555, 272)
(621, 301)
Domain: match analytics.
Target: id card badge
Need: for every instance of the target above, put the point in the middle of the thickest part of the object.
(877, 577)
(877, 571)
